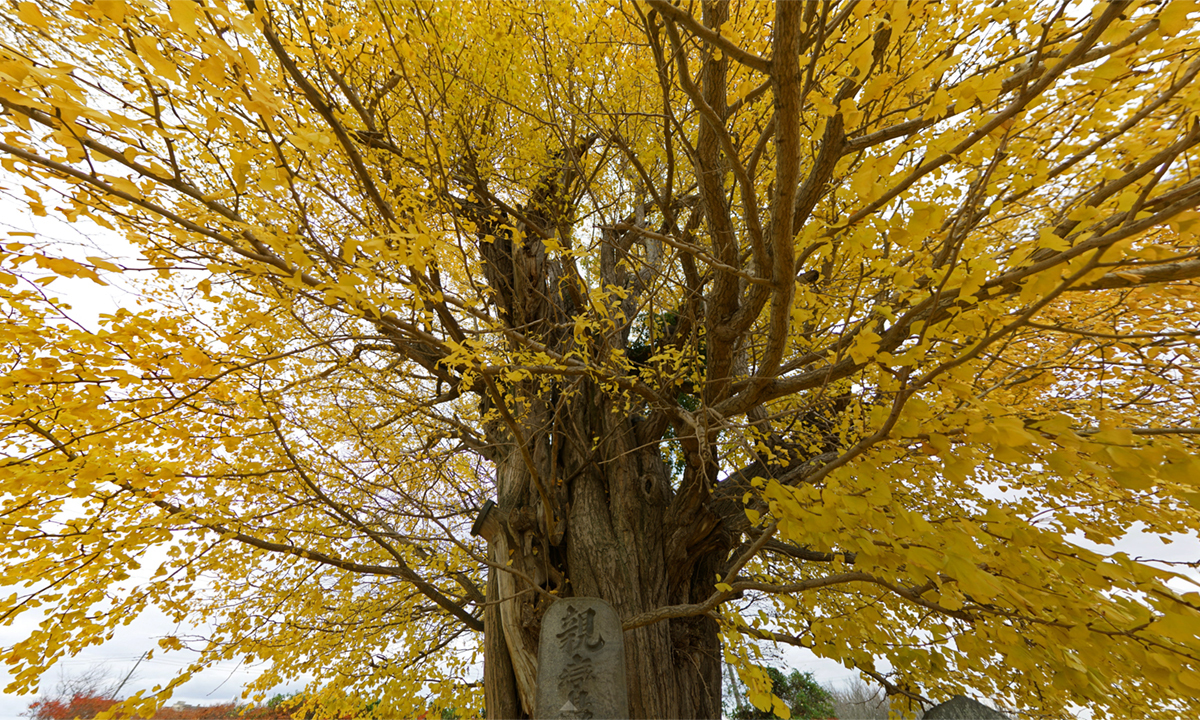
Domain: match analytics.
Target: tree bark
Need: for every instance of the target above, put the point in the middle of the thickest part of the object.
(499, 680)
(587, 505)
(616, 546)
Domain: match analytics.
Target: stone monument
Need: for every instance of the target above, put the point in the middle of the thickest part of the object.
(581, 662)
(961, 707)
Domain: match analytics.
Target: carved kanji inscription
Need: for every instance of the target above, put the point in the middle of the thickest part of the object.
(581, 662)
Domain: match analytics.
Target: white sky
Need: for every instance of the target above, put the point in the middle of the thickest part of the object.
(118, 656)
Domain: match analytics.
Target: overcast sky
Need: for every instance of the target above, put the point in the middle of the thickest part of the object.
(117, 657)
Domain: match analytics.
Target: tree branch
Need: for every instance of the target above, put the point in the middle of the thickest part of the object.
(713, 37)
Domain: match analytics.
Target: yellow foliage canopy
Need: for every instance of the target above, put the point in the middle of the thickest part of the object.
(863, 312)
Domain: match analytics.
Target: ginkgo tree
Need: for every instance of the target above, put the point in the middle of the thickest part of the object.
(829, 324)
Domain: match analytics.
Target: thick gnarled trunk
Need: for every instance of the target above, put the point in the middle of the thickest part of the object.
(618, 545)
(584, 501)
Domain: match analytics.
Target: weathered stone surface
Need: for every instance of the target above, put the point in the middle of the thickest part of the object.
(581, 662)
(961, 707)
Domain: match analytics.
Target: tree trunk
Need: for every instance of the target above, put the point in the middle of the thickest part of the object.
(618, 543)
(585, 501)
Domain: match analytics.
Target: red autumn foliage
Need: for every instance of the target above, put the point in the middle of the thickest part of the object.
(84, 706)
(79, 706)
